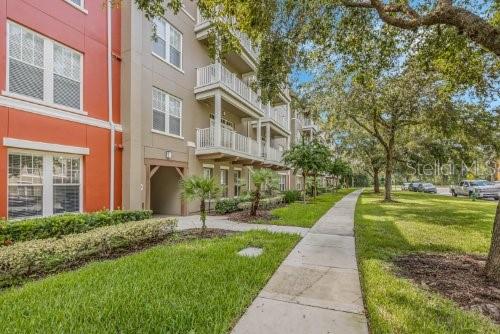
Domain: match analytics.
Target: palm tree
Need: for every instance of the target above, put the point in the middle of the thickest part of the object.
(200, 188)
(260, 178)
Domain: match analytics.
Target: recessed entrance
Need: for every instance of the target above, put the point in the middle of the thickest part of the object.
(163, 193)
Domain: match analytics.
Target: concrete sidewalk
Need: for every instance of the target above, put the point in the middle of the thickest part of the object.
(221, 222)
(316, 289)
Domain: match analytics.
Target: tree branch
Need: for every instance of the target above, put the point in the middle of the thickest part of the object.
(469, 24)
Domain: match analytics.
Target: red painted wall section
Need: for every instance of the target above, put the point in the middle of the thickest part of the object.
(96, 172)
(23, 125)
(86, 33)
(4, 119)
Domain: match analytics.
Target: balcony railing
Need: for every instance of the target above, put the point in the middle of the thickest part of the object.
(235, 142)
(245, 41)
(216, 73)
(280, 115)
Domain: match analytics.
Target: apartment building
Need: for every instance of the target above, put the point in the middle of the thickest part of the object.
(185, 113)
(60, 132)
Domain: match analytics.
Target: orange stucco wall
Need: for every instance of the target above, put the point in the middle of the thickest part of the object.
(86, 33)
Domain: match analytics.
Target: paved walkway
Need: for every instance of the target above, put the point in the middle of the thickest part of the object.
(189, 222)
(316, 289)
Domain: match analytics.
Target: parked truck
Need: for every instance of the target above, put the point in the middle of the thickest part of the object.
(477, 188)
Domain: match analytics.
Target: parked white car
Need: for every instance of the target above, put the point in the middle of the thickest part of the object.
(479, 188)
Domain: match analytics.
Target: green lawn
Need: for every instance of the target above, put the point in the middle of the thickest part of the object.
(191, 287)
(305, 215)
(419, 222)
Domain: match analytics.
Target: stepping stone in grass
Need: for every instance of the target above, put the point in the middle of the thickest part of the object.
(250, 252)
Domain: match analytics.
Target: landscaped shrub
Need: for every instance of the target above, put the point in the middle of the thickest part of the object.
(39, 257)
(228, 205)
(265, 203)
(291, 196)
(56, 226)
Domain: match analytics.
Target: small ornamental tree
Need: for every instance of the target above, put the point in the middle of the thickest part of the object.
(200, 188)
(260, 179)
(310, 158)
(338, 169)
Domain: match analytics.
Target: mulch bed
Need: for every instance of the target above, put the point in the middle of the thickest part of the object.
(171, 239)
(262, 217)
(457, 277)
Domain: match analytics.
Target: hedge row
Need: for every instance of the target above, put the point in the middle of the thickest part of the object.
(264, 204)
(228, 205)
(39, 257)
(56, 226)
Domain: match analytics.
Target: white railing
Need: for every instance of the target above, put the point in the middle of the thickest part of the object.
(274, 154)
(245, 41)
(280, 115)
(216, 73)
(233, 141)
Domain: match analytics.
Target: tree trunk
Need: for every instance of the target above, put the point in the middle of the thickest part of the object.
(493, 263)
(315, 185)
(203, 215)
(376, 181)
(255, 203)
(388, 176)
(304, 187)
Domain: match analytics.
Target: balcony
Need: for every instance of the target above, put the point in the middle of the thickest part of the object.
(235, 147)
(308, 124)
(238, 93)
(203, 25)
(280, 116)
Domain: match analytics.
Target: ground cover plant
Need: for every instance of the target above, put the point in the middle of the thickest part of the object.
(418, 224)
(199, 286)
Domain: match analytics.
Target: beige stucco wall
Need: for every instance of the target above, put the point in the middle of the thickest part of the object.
(141, 71)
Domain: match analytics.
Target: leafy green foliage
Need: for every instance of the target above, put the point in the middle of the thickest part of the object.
(228, 205)
(56, 226)
(291, 196)
(40, 257)
(261, 178)
(200, 188)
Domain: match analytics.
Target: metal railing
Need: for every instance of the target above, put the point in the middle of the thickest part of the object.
(280, 115)
(245, 41)
(233, 141)
(216, 73)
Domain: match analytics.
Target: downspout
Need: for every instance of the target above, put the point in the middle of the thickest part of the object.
(110, 114)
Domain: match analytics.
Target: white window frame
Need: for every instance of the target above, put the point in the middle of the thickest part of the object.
(166, 38)
(79, 7)
(166, 131)
(47, 179)
(48, 72)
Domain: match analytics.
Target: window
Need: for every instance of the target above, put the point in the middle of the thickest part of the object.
(25, 177)
(224, 181)
(224, 122)
(282, 182)
(42, 69)
(78, 3)
(66, 176)
(208, 172)
(168, 43)
(42, 184)
(167, 113)
(237, 183)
